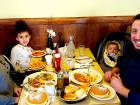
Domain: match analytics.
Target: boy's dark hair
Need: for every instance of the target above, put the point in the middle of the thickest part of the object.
(137, 17)
(21, 26)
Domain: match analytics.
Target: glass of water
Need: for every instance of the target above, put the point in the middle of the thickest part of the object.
(81, 50)
(50, 89)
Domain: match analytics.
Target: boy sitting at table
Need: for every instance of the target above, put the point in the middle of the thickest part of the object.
(20, 53)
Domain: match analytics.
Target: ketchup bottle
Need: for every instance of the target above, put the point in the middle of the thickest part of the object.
(57, 62)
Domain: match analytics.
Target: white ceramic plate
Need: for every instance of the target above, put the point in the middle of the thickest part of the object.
(32, 95)
(75, 100)
(110, 96)
(96, 77)
(84, 60)
(35, 75)
(34, 66)
(38, 53)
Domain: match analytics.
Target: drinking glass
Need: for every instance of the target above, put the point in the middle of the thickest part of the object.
(70, 62)
(50, 89)
(48, 59)
(81, 50)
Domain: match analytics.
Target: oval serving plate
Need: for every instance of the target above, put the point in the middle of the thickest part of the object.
(36, 95)
(95, 76)
(38, 53)
(36, 78)
(34, 66)
(84, 60)
(111, 95)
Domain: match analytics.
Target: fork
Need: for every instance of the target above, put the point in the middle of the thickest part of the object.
(89, 73)
(24, 84)
(28, 89)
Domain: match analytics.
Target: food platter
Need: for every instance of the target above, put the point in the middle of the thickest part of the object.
(73, 101)
(39, 79)
(84, 60)
(36, 66)
(38, 53)
(73, 94)
(110, 95)
(82, 76)
(40, 97)
(35, 95)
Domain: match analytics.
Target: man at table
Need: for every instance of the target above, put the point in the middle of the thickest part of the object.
(7, 86)
(127, 84)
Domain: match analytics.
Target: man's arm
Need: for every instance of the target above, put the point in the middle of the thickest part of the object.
(134, 98)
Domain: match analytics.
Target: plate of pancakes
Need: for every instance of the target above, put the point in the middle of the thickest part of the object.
(102, 92)
(39, 97)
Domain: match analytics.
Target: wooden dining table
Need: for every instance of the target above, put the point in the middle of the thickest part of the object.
(88, 100)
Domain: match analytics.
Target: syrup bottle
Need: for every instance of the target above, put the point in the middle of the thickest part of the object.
(66, 78)
(60, 84)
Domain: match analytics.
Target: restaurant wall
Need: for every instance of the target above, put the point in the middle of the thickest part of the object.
(67, 8)
(87, 20)
(86, 30)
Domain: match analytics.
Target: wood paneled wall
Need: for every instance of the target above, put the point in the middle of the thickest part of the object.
(86, 30)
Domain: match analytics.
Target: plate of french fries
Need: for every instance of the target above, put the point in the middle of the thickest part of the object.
(36, 65)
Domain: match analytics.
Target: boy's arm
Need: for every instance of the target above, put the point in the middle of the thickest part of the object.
(13, 56)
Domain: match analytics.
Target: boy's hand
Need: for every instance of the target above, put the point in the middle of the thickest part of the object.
(16, 99)
(17, 90)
